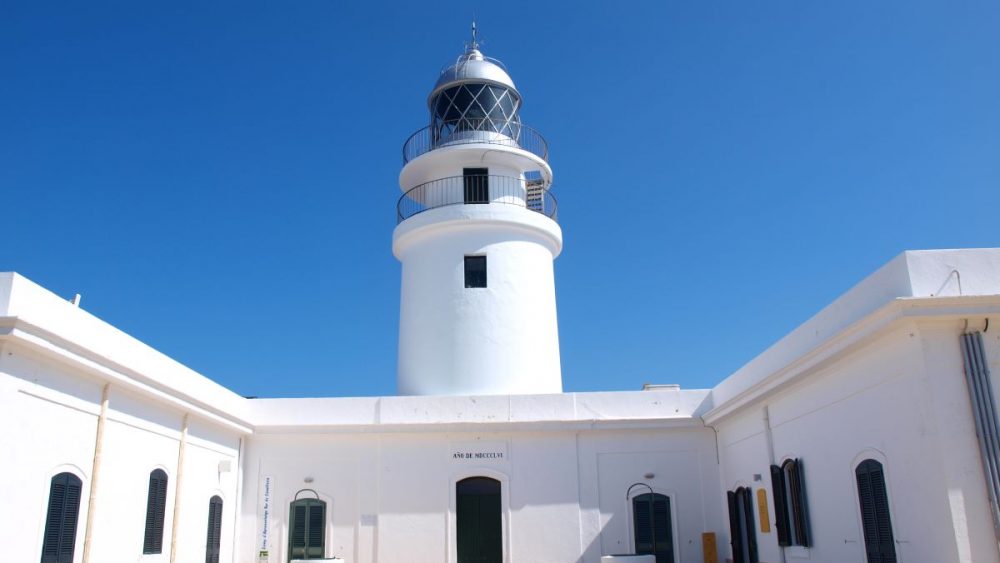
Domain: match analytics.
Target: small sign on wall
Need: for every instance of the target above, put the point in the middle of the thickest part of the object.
(765, 521)
(478, 452)
(266, 488)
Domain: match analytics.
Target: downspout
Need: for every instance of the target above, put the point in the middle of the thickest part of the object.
(771, 461)
(95, 472)
(177, 490)
(239, 498)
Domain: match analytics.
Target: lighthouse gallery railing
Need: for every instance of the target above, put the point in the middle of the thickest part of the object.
(475, 130)
(477, 189)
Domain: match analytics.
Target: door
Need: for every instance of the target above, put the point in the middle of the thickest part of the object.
(479, 523)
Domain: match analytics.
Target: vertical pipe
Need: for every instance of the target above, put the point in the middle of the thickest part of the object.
(239, 499)
(771, 460)
(95, 472)
(177, 490)
(984, 413)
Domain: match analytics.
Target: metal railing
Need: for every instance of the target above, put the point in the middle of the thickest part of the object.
(475, 130)
(477, 190)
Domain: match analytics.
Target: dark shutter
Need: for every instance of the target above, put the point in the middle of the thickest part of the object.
(214, 541)
(59, 539)
(735, 537)
(800, 507)
(156, 506)
(875, 520)
(642, 515)
(316, 535)
(780, 506)
(307, 535)
(664, 529)
(751, 530)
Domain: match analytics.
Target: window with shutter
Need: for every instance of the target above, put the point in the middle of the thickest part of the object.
(743, 535)
(214, 541)
(876, 523)
(156, 506)
(307, 530)
(790, 508)
(651, 520)
(59, 539)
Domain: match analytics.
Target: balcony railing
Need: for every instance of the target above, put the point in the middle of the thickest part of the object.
(477, 190)
(471, 130)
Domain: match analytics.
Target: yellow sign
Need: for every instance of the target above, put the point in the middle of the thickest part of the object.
(765, 521)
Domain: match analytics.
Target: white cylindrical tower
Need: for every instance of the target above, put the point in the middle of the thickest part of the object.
(477, 236)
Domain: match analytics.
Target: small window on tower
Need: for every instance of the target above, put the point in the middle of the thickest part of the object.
(475, 271)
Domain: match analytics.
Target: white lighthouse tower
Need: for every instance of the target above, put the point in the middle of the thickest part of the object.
(477, 236)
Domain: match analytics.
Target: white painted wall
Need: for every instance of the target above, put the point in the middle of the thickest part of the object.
(902, 400)
(391, 495)
(501, 339)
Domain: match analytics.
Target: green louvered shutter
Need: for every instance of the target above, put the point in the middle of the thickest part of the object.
(875, 520)
(213, 541)
(156, 506)
(307, 530)
(59, 538)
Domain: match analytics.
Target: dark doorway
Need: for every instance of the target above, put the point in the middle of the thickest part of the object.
(651, 521)
(479, 528)
(476, 182)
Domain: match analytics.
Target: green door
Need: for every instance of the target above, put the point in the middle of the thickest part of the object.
(479, 528)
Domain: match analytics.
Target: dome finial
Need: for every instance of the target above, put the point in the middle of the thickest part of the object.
(474, 44)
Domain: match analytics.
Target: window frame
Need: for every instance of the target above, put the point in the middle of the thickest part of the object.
(736, 540)
(213, 541)
(672, 549)
(310, 504)
(62, 521)
(878, 460)
(156, 509)
(472, 280)
(791, 509)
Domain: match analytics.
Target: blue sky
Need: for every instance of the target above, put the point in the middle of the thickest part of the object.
(218, 179)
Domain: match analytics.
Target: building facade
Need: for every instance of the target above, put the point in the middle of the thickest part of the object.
(867, 434)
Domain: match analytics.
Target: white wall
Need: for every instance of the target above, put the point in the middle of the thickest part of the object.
(391, 495)
(52, 411)
(902, 400)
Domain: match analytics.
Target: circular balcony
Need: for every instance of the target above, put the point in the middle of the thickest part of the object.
(477, 190)
(475, 130)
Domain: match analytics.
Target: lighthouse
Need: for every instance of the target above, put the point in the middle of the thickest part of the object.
(477, 235)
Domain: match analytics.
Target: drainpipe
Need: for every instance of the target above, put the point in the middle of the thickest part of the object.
(95, 471)
(770, 457)
(177, 490)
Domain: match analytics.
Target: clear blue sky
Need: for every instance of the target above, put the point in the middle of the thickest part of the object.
(218, 179)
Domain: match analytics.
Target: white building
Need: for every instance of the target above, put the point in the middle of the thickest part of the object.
(869, 433)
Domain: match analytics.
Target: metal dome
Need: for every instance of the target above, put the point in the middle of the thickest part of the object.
(472, 66)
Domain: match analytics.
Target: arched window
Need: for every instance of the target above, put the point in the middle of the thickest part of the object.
(59, 540)
(741, 526)
(214, 541)
(156, 507)
(875, 520)
(307, 528)
(790, 507)
(478, 520)
(651, 521)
